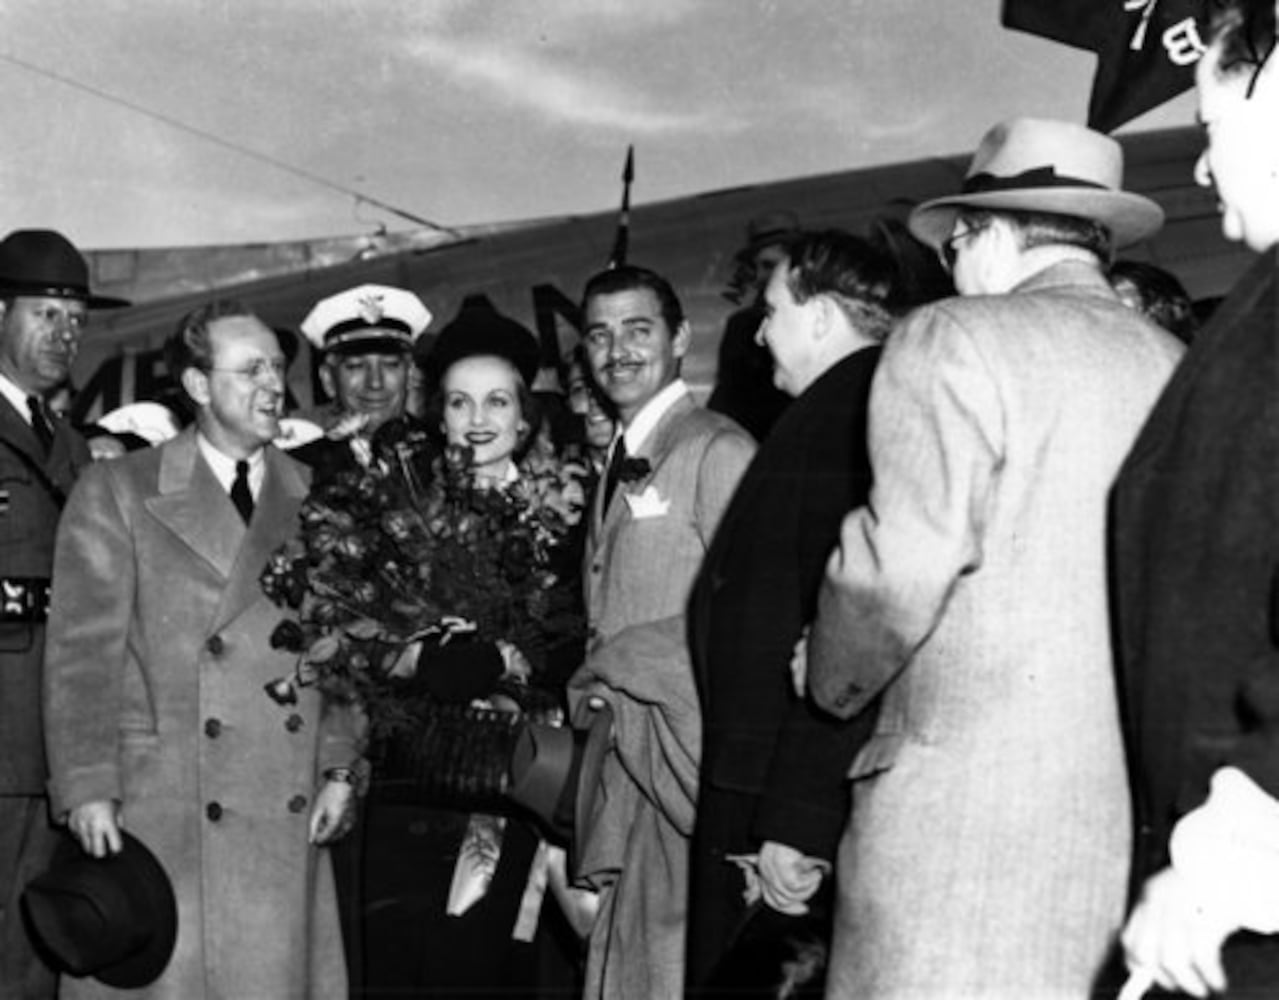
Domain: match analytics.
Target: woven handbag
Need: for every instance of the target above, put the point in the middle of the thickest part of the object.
(455, 756)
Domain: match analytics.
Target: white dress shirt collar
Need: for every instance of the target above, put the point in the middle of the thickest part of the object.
(11, 392)
(223, 465)
(637, 432)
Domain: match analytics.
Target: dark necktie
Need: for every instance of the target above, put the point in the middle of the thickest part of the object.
(241, 495)
(40, 423)
(613, 474)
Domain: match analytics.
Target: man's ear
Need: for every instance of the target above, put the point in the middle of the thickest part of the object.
(824, 316)
(1006, 235)
(327, 380)
(196, 384)
(682, 340)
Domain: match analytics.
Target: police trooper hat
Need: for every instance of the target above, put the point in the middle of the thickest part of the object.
(41, 262)
(1038, 165)
(113, 918)
(370, 319)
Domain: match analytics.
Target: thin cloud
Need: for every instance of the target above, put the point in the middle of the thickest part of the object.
(519, 77)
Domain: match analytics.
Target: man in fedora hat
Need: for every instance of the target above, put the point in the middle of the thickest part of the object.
(44, 307)
(988, 848)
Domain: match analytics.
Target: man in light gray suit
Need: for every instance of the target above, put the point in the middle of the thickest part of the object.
(671, 472)
(988, 850)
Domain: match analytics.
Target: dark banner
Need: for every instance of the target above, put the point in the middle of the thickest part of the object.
(1146, 49)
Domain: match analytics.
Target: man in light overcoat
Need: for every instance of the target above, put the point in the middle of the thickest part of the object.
(988, 848)
(672, 469)
(155, 711)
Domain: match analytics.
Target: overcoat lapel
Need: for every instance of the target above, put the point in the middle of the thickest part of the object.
(193, 505)
(274, 519)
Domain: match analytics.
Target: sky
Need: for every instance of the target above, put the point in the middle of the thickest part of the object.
(175, 122)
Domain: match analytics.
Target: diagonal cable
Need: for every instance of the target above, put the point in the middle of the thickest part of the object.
(225, 143)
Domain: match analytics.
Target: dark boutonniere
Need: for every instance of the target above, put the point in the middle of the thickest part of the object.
(633, 470)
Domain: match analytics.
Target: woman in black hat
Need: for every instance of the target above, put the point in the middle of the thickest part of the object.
(450, 915)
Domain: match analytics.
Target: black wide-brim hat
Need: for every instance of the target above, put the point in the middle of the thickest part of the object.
(41, 262)
(478, 330)
(113, 918)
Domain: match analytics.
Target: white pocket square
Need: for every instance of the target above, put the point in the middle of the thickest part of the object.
(647, 504)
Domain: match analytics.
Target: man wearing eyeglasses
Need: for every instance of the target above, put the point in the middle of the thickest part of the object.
(988, 848)
(44, 307)
(159, 648)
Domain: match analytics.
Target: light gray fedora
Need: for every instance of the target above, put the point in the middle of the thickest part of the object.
(1039, 165)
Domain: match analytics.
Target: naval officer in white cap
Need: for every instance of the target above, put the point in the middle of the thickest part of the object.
(366, 335)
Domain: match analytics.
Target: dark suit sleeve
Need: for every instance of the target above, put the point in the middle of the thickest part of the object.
(805, 799)
(1257, 752)
(805, 803)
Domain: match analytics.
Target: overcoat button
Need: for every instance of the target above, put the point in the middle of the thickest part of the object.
(214, 811)
(597, 568)
(215, 644)
(297, 803)
(213, 728)
(293, 723)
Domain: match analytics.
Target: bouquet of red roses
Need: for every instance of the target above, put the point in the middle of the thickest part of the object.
(409, 551)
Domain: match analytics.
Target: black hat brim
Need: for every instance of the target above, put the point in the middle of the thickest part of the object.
(10, 289)
(369, 345)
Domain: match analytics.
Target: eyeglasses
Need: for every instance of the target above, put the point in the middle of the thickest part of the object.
(258, 371)
(949, 249)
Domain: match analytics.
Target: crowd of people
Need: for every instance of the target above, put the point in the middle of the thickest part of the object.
(948, 670)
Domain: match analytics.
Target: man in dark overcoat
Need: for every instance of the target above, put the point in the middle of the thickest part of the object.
(774, 769)
(1196, 542)
(44, 304)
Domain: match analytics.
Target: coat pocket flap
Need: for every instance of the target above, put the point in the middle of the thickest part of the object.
(878, 754)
